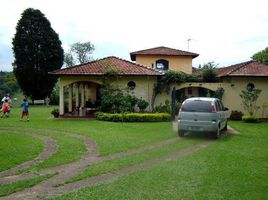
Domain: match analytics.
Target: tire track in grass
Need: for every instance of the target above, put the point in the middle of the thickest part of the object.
(68, 170)
(46, 188)
(39, 191)
(50, 148)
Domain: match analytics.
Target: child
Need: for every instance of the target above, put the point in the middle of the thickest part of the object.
(5, 108)
(25, 110)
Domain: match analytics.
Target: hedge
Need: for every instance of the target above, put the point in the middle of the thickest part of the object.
(133, 117)
(236, 115)
(250, 119)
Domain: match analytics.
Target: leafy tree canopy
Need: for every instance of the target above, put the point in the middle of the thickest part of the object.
(8, 83)
(261, 56)
(79, 53)
(208, 72)
(37, 51)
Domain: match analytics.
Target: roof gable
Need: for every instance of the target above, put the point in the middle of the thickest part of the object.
(160, 51)
(249, 68)
(101, 66)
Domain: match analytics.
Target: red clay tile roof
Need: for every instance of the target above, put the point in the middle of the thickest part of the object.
(100, 67)
(161, 51)
(249, 68)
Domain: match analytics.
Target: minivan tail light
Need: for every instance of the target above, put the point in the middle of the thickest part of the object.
(213, 108)
(181, 109)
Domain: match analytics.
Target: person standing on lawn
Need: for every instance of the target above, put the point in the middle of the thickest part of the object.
(5, 109)
(25, 109)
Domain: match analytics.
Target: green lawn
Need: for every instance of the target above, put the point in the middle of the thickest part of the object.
(235, 167)
(111, 137)
(126, 161)
(21, 185)
(69, 150)
(16, 148)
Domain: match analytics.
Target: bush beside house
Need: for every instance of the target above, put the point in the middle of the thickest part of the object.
(133, 117)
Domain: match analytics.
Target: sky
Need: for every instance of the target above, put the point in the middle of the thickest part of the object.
(226, 32)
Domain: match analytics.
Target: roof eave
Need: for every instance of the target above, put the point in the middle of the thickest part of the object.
(242, 75)
(104, 74)
(133, 56)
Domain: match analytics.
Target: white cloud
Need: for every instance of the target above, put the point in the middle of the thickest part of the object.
(224, 31)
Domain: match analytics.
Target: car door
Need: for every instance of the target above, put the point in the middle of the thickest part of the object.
(223, 114)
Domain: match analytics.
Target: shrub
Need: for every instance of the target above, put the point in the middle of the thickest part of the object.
(142, 104)
(250, 119)
(249, 100)
(163, 108)
(55, 112)
(236, 115)
(133, 117)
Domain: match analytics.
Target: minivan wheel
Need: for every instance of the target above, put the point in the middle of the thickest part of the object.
(225, 127)
(217, 133)
(181, 133)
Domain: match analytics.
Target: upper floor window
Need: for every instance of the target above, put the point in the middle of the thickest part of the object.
(161, 64)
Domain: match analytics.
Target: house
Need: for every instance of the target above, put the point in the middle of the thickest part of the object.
(242, 76)
(82, 83)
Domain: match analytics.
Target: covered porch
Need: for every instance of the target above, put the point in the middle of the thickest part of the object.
(79, 99)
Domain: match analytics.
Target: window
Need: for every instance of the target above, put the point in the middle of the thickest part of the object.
(221, 105)
(131, 85)
(250, 87)
(161, 64)
(197, 106)
(218, 106)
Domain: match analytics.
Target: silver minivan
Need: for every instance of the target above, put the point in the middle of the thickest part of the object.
(202, 114)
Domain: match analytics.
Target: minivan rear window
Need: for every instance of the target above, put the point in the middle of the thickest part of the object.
(196, 106)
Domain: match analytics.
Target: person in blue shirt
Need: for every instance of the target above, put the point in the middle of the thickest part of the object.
(25, 109)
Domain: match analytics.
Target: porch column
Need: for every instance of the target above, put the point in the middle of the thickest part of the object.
(82, 95)
(77, 95)
(61, 99)
(70, 106)
(86, 92)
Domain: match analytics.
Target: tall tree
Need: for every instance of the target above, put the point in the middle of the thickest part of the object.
(208, 72)
(69, 59)
(37, 51)
(79, 53)
(261, 56)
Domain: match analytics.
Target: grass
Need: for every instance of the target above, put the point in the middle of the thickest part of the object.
(111, 137)
(126, 161)
(21, 185)
(69, 150)
(235, 167)
(16, 148)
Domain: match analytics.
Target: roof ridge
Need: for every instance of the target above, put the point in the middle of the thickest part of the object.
(162, 47)
(140, 65)
(78, 65)
(241, 65)
(97, 65)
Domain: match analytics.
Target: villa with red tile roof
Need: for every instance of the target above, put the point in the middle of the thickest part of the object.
(83, 82)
